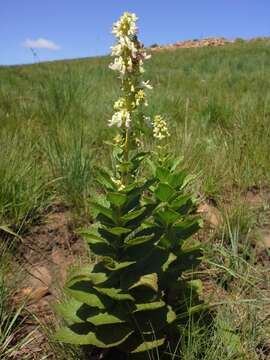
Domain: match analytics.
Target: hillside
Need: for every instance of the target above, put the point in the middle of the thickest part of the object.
(53, 128)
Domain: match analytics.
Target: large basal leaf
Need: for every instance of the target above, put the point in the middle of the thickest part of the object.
(115, 294)
(105, 319)
(154, 319)
(106, 336)
(86, 273)
(68, 310)
(84, 292)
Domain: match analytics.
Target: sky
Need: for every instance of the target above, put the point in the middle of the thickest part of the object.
(63, 29)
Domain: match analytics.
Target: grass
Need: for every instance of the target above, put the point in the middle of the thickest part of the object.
(217, 102)
(12, 316)
(53, 119)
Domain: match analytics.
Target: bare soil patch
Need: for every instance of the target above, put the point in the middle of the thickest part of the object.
(46, 253)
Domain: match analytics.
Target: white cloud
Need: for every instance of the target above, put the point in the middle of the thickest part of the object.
(40, 44)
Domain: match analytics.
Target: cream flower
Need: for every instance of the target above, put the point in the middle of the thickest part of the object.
(160, 128)
(118, 183)
(126, 26)
(129, 55)
(120, 118)
(146, 85)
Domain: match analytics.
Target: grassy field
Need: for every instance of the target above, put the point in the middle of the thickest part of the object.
(53, 120)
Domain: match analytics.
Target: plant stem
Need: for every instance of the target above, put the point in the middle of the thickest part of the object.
(126, 157)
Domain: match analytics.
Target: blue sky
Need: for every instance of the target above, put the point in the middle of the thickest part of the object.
(61, 29)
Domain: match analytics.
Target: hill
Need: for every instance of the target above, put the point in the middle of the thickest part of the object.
(53, 124)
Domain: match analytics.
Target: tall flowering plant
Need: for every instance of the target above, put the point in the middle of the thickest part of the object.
(136, 297)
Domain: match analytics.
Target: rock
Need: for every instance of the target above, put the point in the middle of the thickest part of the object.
(39, 277)
(210, 214)
(58, 257)
(34, 294)
(253, 199)
(197, 43)
(265, 238)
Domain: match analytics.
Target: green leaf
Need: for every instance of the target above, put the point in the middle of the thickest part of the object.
(152, 165)
(170, 260)
(98, 245)
(154, 320)
(149, 280)
(82, 294)
(130, 187)
(105, 179)
(196, 286)
(197, 308)
(138, 240)
(177, 179)
(118, 230)
(92, 237)
(137, 159)
(164, 192)
(115, 266)
(162, 174)
(85, 274)
(149, 345)
(177, 161)
(80, 334)
(231, 341)
(103, 210)
(104, 319)
(171, 316)
(139, 156)
(150, 306)
(166, 216)
(186, 260)
(188, 179)
(190, 245)
(133, 214)
(182, 201)
(68, 310)
(117, 199)
(184, 229)
(115, 294)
